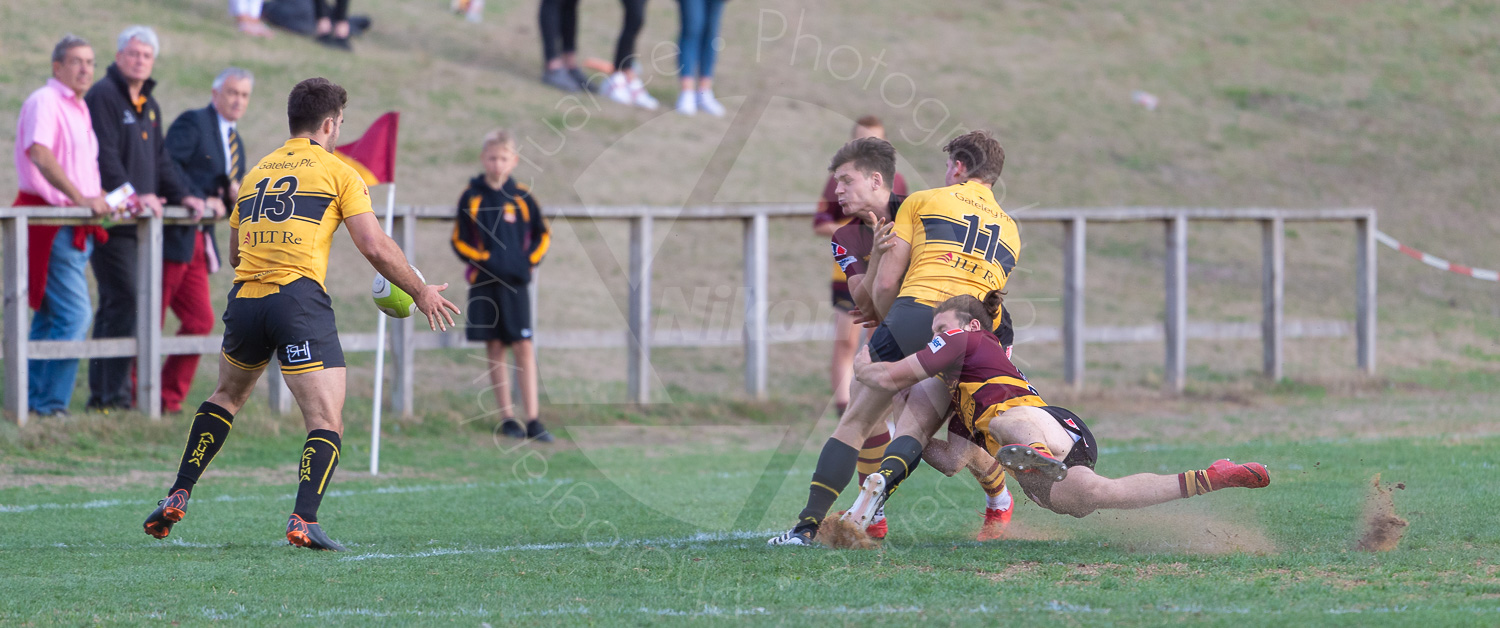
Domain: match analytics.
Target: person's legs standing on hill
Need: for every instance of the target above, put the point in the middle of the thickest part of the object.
(697, 53)
(64, 315)
(558, 22)
(625, 85)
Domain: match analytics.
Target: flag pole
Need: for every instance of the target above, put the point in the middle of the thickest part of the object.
(390, 213)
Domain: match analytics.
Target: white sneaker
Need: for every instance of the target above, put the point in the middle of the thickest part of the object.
(687, 104)
(639, 96)
(708, 104)
(617, 88)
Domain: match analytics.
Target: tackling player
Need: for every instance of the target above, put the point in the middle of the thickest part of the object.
(1055, 466)
(281, 230)
(948, 241)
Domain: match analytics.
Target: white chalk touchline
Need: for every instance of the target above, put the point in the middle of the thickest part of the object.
(384, 490)
(700, 537)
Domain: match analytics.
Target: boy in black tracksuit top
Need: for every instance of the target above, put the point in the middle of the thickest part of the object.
(501, 235)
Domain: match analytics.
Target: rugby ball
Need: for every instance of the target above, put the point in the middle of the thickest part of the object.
(391, 300)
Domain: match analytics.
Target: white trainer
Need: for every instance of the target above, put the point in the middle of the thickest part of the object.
(709, 105)
(687, 104)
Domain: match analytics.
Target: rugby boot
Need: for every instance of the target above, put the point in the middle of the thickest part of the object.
(995, 523)
(798, 536)
(309, 535)
(868, 505)
(1226, 474)
(168, 512)
(879, 529)
(1024, 459)
(876, 530)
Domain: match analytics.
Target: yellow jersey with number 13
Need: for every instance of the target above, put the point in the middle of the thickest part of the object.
(290, 205)
(961, 243)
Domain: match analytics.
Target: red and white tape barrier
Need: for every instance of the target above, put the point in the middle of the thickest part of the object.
(1435, 261)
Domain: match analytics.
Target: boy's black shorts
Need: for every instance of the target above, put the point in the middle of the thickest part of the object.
(1085, 453)
(497, 311)
(295, 323)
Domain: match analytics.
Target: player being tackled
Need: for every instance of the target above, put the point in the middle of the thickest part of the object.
(1049, 449)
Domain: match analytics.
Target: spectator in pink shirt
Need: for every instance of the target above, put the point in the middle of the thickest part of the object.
(57, 164)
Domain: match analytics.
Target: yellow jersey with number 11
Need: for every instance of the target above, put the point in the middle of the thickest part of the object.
(961, 243)
(290, 205)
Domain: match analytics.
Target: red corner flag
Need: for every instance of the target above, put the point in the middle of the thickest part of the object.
(374, 153)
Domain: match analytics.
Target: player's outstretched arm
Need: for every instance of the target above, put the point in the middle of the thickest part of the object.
(391, 263)
(888, 376)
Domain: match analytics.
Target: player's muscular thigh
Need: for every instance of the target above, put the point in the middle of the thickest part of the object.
(1028, 424)
(866, 407)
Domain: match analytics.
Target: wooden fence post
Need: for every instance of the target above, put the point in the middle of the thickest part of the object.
(1176, 313)
(1074, 237)
(755, 305)
(638, 340)
(404, 333)
(1365, 293)
(148, 316)
(1273, 296)
(17, 311)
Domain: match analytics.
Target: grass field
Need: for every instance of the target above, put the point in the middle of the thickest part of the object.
(661, 518)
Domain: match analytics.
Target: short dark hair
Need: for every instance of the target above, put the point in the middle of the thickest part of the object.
(869, 155)
(980, 153)
(312, 101)
(68, 42)
(970, 308)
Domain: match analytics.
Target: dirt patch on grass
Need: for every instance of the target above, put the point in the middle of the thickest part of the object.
(1016, 571)
(1032, 531)
(1382, 529)
(1191, 533)
(840, 534)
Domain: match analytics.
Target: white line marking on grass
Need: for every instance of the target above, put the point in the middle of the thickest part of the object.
(384, 490)
(700, 537)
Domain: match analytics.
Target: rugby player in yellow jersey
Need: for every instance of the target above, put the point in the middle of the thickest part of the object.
(948, 241)
(281, 230)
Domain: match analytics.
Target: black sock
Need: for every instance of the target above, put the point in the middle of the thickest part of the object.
(901, 458)
(835, 468)
(210, 427)
(319, 457)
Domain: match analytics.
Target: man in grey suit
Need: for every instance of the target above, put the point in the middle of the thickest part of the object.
(205, 145)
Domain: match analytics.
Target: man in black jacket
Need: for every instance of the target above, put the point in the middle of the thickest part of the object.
(205, 144)
(131, 150)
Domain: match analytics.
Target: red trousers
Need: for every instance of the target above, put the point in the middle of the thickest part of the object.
(184, 290)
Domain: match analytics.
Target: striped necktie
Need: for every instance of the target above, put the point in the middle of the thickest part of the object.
(234, 152)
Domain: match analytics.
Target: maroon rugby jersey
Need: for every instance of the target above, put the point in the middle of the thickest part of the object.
(987, 382)
(852, 243)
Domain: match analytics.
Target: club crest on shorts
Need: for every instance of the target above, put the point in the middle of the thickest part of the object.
(299, 353)
(937, 343)
(1071, 424)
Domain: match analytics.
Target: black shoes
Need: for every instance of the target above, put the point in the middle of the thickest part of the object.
(168, 512)
(534, 430)
(309, 535)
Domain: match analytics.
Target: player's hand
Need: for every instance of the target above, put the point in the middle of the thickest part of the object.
(215, 207)
(862, 366)
(95, 204)
(194, 206)
(436, 308)
(885, 237)
(862, 319)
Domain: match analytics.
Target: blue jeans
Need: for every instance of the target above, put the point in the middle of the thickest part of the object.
(64, 315)
(695, 46)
